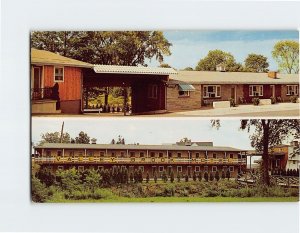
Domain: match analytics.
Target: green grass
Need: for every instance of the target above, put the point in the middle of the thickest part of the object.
(187, 199)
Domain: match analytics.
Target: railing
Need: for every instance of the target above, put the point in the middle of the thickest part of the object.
(288, 181)
(83, 159)
(42, 93)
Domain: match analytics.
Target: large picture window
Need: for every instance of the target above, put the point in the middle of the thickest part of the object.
(256, 90)
(58, 74)
(211, 91)
(292, 90)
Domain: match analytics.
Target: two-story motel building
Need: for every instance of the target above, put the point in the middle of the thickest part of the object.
(183, 158)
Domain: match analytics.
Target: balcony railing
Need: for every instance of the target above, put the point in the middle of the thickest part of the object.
(114, 160)
(42, 93)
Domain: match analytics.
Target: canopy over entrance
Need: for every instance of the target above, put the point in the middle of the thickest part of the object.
(148, 85)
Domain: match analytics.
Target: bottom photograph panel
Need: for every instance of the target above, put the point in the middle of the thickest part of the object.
(164, 160)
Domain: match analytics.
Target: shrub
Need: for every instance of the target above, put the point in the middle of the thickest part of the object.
(172, 177)
(155, 177)
(217, 176)
(147, 177)
(273, 100)
(211, 176)
(278, 98)
(223, 175)
(227, 174)
(232, 102)
(131, 177)
(194, 176)
(199, 176)
(164, 176)
(39, 191)
(186, 177)
(178, 177)
(46, 176)
(206, 176)
(255, 101)
(293, 99)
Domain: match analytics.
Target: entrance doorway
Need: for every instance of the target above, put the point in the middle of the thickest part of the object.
(233, 93)
(272, 87)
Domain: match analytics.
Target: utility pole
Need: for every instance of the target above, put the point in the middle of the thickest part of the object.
(62, 132)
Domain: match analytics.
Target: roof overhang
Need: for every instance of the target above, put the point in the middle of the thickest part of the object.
(186, 87)
(112, 69)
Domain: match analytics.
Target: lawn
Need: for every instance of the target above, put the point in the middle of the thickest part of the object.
(187, 199)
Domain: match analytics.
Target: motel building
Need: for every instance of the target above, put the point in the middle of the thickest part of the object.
(58, 85)
(183, 158)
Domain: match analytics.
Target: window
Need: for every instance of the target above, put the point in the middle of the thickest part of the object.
(256, 90)
(101, 154)
(142, 154)
(179, 168)
(58, 74)
(179, 155)
(71, 153)
(170, 154)
(81, 168)
(231, 168)
(231, 156)
(214, 168)
(211, 91)
(132, 154)
(161, 168)
(214, 155)
(152, 154)
(197, 168)
(184, 93)
(113, 154)
(294, 162)
(141, 168)
(160, 154)
(48, 153)
(292, 90)
(59, 153)
(122, 154)
(90, 153)
(152, 91)
(197, 155)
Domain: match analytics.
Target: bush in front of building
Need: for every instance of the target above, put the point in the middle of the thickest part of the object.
(186, 177)
(206, 176)
(178, 177)
(46, 176)
(228, 174)
(273, 100)
(293, 99)
(232, 102)
(164, 176)
(194, 176)
(147, 177)
(39, 192)
(155, 177)
(223, 175)
(255, 101)
(217, 176)
(211, 176)
(200, 176)
(172, 177)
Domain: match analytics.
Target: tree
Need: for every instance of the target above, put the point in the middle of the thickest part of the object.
(129, 48)
(82, 138)
(155, 177)
(211, 176)
(268, 133)
(165, 65)
(223, 175)
(164, 176)
(228, 174)
(216, 57)
(120, 140)
(38, 190)
(92, 179)
(194, 176)
(46, 176)
(131, 177)
(147, 177)
(256, 63)
(113, 141)
(172, 176)
(188, 68)
(186, 177)
(55, 138)
(217, 176)
(286, 54)
(199, 176)
(68, 180)
(206, 176)
(178, 177)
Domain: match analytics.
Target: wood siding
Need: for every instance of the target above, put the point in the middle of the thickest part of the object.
(70, 88)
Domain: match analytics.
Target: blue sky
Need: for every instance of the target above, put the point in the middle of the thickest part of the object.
(190, 46)
(150, 131)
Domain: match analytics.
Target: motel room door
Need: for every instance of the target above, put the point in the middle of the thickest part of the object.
(233, 93)
(37, 78)
(272, 87)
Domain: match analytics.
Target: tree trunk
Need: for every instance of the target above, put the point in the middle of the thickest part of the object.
(265, 156)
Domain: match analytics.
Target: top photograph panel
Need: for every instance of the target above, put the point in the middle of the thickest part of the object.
(165, 73)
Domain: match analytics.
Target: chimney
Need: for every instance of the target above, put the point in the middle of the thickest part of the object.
(272, 74)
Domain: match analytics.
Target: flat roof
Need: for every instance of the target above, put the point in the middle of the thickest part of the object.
(134, 147)
(214, 77)
(43, 57)
(133, 70)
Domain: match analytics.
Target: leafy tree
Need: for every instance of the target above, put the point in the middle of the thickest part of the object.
(120, 140)
(194, 176)
(105, 47)
(164, 176)
(113, 141)
(39, 191)
(188, 68)
(165, 65)
(55, 138)
(92, 179)
(228, 174)
(286, 54)
(206, 176)
(217, 176)
(46, 176)
(172, 176)
(155, 177)
(223, 175)
(147, 177)
(82, 138)
(186, 177)
(69, 180)
(256, 63)
(211, 176)
(200, 176)
(131, 177)
(267, 134)
(178, 177)
(216, 57)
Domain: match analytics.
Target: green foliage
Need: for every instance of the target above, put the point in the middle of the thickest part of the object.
(172, 176)
(92, 179)
(217, 176)
(273, 100)
(82, 138)
(178, 177)
(256, 63)
(155, 177)
(147, 177)
(186, 177)
(164, 176)
(255, 101)
(206, 176)
(68, 179)
(200, 176)
(55, 138)
(294, 99)
(188, 69)
(165, 65)
(39, 191)
(216, 57)
(129, 48)
(232, 102)
(194, 176)
(46, 176)
(223, 175)
(286, 54)
(228, 174)
(211, 176)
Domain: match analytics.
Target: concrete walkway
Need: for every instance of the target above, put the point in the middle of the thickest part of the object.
(274, 110)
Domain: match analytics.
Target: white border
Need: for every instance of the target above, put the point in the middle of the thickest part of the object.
(16, 211)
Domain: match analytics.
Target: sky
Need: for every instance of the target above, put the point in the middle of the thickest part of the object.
(146, 131)
(188, 47)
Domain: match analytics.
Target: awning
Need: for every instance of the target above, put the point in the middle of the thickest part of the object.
(186, 87)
